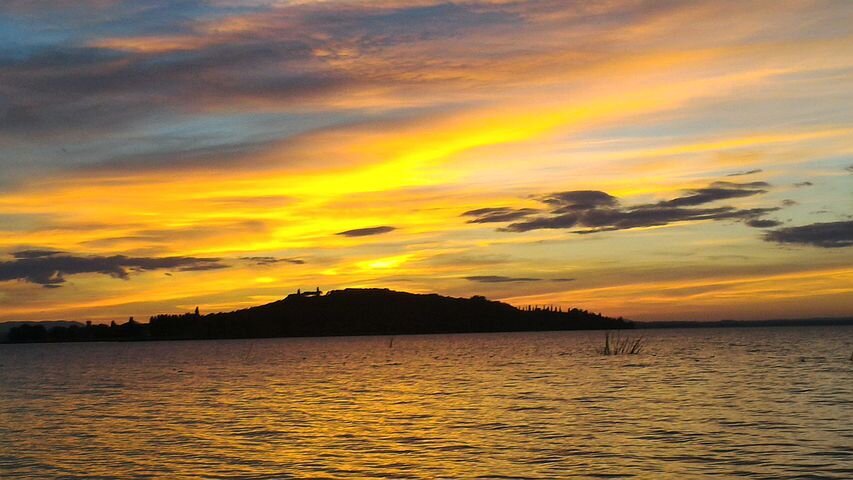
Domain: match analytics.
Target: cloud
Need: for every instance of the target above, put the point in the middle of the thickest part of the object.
(175, 152)
(111, 70)
(226, 230)
(763, 223)
(364, 232)
(560, 221)
(717, 191)
(34, 253)
(500, 279)
(198, 268)
(272, 260)
(49, 270)
(109, 88)
(803, 184)
(498, 214)
(126, 73)
(473, 258)
(599, 211)
(744, 173)
(579, 200)
(652, 216)
(825, 235)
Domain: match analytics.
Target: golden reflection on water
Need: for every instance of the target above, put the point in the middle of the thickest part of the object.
(766, 403)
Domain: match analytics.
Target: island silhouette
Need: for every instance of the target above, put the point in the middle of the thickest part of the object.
(351, 311)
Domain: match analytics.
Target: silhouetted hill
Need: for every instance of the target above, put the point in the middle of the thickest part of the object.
(343, 312)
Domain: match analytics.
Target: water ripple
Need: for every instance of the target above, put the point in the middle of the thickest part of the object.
(751, 403)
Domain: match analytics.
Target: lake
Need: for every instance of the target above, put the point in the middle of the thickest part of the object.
(741, 402)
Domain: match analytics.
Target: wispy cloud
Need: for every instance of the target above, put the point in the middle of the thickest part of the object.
(498, 214)
(366, 232)
(265, 261)
(500, 279)
(745, 173)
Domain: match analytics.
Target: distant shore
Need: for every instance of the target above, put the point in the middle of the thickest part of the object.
(783, 322)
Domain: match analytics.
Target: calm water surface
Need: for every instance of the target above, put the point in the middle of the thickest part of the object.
(748, 403)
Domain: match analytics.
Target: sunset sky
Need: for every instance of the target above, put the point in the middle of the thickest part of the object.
(650, 159)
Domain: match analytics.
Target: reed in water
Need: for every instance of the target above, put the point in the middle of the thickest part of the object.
(617, 345)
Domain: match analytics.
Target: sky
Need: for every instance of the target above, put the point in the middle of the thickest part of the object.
(654, 160)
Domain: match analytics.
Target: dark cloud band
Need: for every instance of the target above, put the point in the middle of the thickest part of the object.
(825, 235)
(49, 269)
(592, 211)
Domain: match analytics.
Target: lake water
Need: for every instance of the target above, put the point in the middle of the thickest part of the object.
(750, 403)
